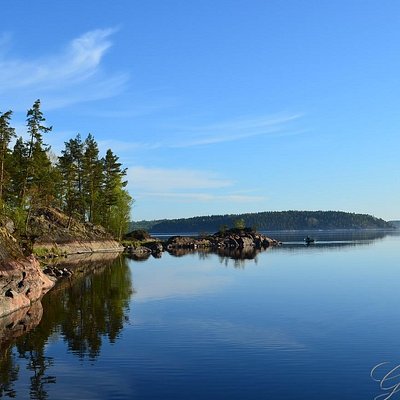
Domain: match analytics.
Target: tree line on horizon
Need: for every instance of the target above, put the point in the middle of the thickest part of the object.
(266, 221)
(79, 182)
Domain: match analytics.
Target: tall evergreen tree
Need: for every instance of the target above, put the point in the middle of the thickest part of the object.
(34, 120)
(6, 134)
(18, 172)
(92, 178)
(112, 182)
(116, 202)
(38, 166)
(78, 181)
(70, 167)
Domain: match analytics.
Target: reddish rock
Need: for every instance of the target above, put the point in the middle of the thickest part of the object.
(22, 280)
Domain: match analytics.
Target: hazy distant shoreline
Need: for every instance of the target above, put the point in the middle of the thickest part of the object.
(269, 221)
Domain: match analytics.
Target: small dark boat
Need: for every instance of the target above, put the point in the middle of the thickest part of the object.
(309, 240)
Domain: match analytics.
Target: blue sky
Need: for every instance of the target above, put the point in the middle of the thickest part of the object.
(219, 106)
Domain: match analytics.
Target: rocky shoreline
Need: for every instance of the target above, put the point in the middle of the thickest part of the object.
(23, 280)
(56, 249)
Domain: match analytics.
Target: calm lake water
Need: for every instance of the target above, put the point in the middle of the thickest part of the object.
(295, 322)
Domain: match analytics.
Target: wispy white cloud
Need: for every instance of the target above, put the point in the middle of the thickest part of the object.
(180, 136)
(70, 76)
(138, 106)
(185, 185)
(168, 180)
(236, 129)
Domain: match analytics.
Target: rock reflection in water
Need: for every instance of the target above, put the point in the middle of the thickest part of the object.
(239, 255)
(11, 327)
(293, 241)
(85, 310)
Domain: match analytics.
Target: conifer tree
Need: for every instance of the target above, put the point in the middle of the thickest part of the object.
(78, 181)
(116, 201)
(70, 167)
(92, 178)
(18, 172)
(38, 166)
(6, 134)
(112, 181)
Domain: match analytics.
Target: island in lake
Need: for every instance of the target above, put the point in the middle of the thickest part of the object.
(268, 221)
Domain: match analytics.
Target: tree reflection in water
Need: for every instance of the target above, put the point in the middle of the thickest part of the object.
(84, 311)
(8, 373)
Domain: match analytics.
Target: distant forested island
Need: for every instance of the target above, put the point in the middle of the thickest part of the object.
(267, 221)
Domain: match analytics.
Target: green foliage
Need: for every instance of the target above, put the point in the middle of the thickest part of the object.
(115, 202)
(18, 215)
(239, 224)
(18, 171)
(37, 184)
(92, 179)
(6, 134)
(79, 182)
(223, 228)
(70, 167)
(93, 188)
(268, 221)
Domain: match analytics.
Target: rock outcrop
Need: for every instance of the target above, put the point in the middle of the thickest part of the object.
(53, 233)
(77, 247)
(230, 239)
(50, 234)
(22, 280)
(241, 239)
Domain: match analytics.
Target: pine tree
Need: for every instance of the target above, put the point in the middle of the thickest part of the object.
(83, 185)
(112, 183)
(6, 134)
(18, 171)
(70, 168)
(116, 201)
(38, 166)
(92, 178)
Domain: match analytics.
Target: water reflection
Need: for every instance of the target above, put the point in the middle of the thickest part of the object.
(82, 312)
(330, 236)
(197, 319)
(293, 241)
(11, 327)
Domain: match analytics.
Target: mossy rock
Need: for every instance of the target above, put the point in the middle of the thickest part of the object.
(139, 234)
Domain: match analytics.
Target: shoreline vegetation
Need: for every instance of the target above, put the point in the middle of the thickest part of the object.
(79, 182)
(53, 205)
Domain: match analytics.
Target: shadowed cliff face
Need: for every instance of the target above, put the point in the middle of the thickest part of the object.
(21, 278)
